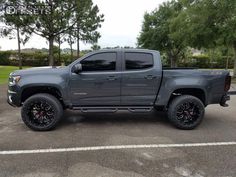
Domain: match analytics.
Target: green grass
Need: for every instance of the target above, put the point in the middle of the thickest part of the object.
(5, 71)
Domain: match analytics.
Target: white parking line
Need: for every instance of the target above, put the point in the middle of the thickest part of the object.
(117, 147)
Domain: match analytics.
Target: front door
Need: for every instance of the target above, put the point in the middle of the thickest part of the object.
(99, 81)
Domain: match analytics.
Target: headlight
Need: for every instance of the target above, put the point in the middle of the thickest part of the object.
(13, 80)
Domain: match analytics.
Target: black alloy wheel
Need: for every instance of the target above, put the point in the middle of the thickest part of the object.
(41, 112)
(186, 112)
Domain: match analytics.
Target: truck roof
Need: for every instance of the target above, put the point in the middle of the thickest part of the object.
(127, 50)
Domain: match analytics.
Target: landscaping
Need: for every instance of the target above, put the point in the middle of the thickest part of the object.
(5, 71)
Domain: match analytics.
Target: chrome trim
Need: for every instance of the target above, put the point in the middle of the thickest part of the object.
(9, 98)
(11, 92)
(80, 93)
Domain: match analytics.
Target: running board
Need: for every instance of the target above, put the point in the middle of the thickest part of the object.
(137, 109)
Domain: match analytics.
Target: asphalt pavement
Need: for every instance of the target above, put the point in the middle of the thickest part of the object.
(78, 130)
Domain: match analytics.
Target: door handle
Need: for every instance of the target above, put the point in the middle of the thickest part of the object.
(150, 77)
(111, 78)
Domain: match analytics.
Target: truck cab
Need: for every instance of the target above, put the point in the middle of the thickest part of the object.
(116, 78)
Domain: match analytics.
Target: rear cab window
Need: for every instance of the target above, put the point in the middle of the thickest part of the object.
(137, 60)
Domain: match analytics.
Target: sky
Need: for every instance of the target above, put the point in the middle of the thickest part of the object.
(122, 25)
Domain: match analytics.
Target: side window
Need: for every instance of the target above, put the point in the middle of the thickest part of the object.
(100, 62)
(138, 60)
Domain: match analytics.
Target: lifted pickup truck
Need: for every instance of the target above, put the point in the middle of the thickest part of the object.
(112, 80)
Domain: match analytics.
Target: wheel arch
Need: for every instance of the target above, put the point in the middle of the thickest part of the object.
(36, 89)
(197, 92)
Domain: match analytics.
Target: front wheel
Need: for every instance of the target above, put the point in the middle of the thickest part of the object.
(41, 112)
(186, 112)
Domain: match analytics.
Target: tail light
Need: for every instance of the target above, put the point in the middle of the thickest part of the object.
(227, 83)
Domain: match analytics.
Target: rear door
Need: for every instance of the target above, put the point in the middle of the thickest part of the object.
(141, 78)
(99, 81)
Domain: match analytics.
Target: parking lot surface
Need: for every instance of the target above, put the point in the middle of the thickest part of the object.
(78, 130)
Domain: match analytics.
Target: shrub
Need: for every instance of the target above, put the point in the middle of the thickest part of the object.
(4, 57)
(31, 59)
(41, 59)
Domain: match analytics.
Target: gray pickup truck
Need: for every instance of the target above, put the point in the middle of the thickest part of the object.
(112, 80)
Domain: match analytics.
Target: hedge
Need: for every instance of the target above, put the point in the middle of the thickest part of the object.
(31, 59)
(4, 58)
(203, 61)
(41, 59)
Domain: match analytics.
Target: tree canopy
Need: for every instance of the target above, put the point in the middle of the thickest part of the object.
(202, 24)
(15, 24)
(156, 31)
(53, 20)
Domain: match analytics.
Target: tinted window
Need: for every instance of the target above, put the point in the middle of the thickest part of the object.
(138, 60)
(100, 62)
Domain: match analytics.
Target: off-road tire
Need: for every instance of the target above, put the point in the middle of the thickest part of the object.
(28, 111)
(191, 117)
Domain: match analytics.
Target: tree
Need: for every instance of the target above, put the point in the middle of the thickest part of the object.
(59, 40)
(15, 25)
(88, 20)
(56, 21)
(70, 38)
(208, 24)
(226, 13)
(196, 23)
(96, 47)
(156, 32)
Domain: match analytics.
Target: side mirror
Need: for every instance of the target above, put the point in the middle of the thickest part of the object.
(77, 68)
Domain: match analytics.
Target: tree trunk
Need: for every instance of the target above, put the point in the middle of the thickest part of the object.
(71, 49)
(51, 57)
(51, 37)
(212, 53)
(234, 59)
(78, 39)
(71, 53)
(227, 63)
(227, 59)
(173, 62)
(19, 50)
(78, 48)
(59, 46)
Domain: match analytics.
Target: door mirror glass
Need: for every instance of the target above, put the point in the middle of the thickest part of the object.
(77, 68)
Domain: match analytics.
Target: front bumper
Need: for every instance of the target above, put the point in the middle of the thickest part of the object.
(13, 97)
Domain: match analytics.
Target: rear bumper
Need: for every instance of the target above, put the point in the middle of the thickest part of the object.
(232, 93)
(224, 99)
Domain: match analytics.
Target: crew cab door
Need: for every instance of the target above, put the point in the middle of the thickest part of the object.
(141, 78)
(99, 81)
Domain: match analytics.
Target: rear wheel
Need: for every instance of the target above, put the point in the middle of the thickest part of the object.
(186, 112)
(41, 112)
